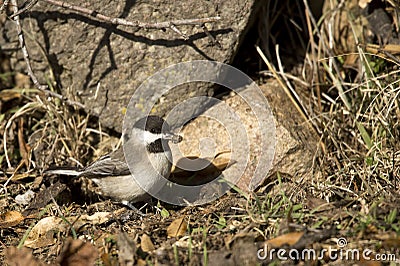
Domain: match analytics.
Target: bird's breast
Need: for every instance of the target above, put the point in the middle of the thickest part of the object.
(152, 174)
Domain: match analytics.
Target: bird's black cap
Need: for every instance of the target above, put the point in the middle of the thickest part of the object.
(153, 124)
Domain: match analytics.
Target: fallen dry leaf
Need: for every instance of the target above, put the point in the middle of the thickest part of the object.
(77, 253)
(146, 244)
(177, 228)
(10, 218)
(141, 262)
(126, 249)
(26, 198)
(43, 233)
(20, 256)
(108, 259)
(365, 262)
(363, 3)
(351, 61)
(393, 49)
(94, 219)
(7, 95)
(205, 169)
(44, 196)
(24, 148)
(22, 81)
(392, 242)
(286, 239)
(18, 177)
(222, 159)
(319, 205)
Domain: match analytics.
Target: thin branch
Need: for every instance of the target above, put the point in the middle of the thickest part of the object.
(212, 38)
(23, 47)
(63, 99)
(174, 28)
(138, 24)
(25, 54)
(25, 8)
(93, 14)
(4, 5)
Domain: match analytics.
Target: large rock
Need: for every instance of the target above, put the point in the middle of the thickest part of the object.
(101, 65)
(278, 140)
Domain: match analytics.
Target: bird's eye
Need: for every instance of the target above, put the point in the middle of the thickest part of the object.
(153, 130)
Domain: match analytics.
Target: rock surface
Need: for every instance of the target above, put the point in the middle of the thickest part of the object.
(287, 143)
(101, 65)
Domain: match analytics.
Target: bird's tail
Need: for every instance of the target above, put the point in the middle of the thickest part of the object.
(63, 171)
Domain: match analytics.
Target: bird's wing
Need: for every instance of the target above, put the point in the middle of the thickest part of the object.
(71, 171)
(109, 165)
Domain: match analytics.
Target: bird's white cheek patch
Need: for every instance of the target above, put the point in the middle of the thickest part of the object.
(149, 137)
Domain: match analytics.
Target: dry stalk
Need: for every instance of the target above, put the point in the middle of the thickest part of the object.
(137, 24)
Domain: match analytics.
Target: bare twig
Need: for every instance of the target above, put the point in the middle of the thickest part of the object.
(213, 40)
(120, 21)
(64, 99)
(90, 13)
(25, 54)
(25, 8)
(174, 28)
(23, 48)
(4, 5)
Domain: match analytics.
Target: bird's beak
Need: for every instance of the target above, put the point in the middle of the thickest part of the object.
(175, 138)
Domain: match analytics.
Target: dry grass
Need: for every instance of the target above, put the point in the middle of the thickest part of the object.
(349, 94)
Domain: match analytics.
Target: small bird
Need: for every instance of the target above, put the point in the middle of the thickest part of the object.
(127, 179)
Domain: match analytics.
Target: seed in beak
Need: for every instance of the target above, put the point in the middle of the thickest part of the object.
(176, 139)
